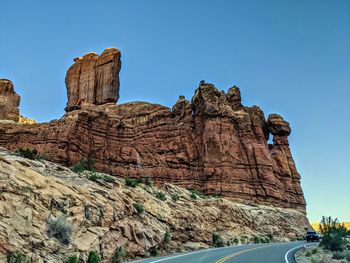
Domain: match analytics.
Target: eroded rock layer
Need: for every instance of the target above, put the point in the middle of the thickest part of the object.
(9, 101)
(102, 215)
(213, 143)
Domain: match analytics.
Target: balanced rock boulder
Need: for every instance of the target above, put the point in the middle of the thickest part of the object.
(93, 79)
(9, 101)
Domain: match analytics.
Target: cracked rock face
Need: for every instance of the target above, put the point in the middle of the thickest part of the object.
(9, 101)
(102, 215)
(93, 79)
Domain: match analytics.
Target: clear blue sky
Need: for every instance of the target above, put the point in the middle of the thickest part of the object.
(290, 57)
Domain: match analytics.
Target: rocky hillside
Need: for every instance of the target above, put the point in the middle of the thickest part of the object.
(212, 143)
(104, 213)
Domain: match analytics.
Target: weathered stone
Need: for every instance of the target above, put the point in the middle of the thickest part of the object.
(93, 79)
(9, 101)
(26, 198)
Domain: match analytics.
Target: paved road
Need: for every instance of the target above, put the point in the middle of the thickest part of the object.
(255, 253)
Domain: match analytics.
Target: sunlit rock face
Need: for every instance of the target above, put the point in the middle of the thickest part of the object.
(93, 79)
(211, 143)
(9, 101)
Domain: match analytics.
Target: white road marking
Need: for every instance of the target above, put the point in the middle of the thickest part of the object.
(286, 255)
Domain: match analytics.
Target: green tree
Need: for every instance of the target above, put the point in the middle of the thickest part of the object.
(93, 257)
(334, 234)
(118, 255)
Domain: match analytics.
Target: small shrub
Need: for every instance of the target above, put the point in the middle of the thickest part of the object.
(235, 240)
(153, 251)
(60, 229)
(314, 251)
(139, 208)
(72, 259)
(217, 195)
(93, 176)
(83, 165)
(131, 182)
(32, 154)
(118, 255)
(16, 257)
(108, 178)
(228, 243)
(256, 239)
(217, 240)
(167, 236)
(175, 197)
(93, 257)
(161, 196)
(270, 236)
(193, 196)
(338, 255)
(197, 193)
(308, 253)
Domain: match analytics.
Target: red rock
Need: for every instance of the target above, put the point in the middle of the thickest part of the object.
(93, 79)
(213, 144)
(9, 101)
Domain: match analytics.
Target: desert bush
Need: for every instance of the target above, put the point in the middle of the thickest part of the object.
(193, 196)
(16, 257)
(153, 251)
(314, 251)
(197, 193)
(83, 165)
(32, 154)
(217, 240)
(175, 197)
(59, 229)
(94, 176)
(167, 236)
(139, 207)
(334, 234)
(161, 196)
(131, 182)
(72, 259)
(338, 255)
(93, 257)
(256, 239)
(118, 255)
(235, 240)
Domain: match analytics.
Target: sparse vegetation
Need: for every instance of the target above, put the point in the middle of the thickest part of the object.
(93, 257)
(334, 234)
(193, 196)
(153, 251)
(167, 236)
(139, 207)
(28, 153)
(197, 194)
(59, 229)
(16, 257)
(94, 176)
(235, 240)
(175, 197)
(118, 255)
(256, 239)
(132, 182)
(72, 259)
(217, 240)
(83, 165)
(338, 255)
(160, 196)
(314, 251)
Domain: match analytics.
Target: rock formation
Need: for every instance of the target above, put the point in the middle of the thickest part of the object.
(93, 79)
(213, 144)
(9, 101)
(103, 216)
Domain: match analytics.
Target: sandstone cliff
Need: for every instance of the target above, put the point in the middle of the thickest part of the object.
(212, 143)
(9, 101)
(103, 215)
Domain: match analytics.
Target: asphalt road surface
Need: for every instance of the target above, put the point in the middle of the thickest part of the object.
(255, 253)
